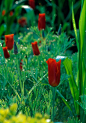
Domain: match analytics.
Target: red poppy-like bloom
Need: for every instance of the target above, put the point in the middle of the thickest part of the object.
(9, 41)
(11, 13)
(22, 21)
(32, 3)
(35, 48)
(21, 65)
(41, 21)
(53, 71)
(6, 53)
(3, 12)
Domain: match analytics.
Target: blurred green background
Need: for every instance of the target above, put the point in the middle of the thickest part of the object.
(57, 12)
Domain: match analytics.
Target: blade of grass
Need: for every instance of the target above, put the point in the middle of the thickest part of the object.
(5, 81)
(74, 26)
(82, 56)
(82, 51)
(65, 101)
(36, 85)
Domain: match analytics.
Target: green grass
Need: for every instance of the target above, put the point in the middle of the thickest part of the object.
(29, 88)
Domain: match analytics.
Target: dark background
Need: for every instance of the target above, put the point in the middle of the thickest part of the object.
(64, 10)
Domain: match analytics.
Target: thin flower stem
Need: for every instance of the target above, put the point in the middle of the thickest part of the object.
(53, 102)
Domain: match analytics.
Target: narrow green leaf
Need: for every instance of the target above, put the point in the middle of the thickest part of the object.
(74, 26)
(82, 51)
(15, 92)
(82, 25)
(64, 100)
(36, 85)
(53, 12)
(2, 59)
(2, 29)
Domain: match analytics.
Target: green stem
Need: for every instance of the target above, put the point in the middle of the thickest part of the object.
(27, 61)
(84, 119)
(53, 92)
(20, 74)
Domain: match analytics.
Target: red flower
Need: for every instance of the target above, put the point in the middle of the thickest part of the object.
(32, 3)
(53, 71)
(35, 48)
(41, 21)
(11, 13)
(6, 53)
(21, 65)
(3, 12)
(9, 41)
(22, 21)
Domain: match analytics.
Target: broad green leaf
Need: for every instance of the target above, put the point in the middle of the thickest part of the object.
(73, 87)
(82, 51)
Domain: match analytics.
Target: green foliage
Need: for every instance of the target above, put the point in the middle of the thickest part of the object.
(73, 120)
(65, 101)
(78, 88)
(83, 102)
(30, 86)
(82, 51)
(75, 30)
(73, 87)
(9, 24)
